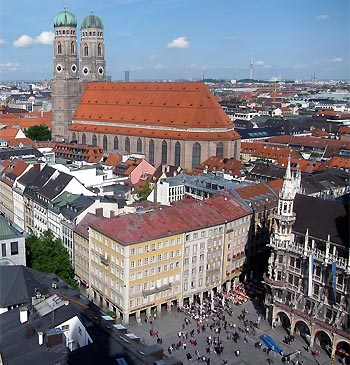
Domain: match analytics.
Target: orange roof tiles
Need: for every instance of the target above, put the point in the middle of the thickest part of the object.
(7, 133)
(228, 165)
(299, 164)
(78, 152)
(113, 159)
(26, 120)
(309, 141)
(259, 150)
(179, 110)
(342, 163)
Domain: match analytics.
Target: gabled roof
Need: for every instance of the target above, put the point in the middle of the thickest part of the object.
(55, 186)
(336, 162)
(14, 169)
(113, 159)
(229, 166)
(78, 152)
(177, 110)
(258, 196)
(83, 227)
(18, 284)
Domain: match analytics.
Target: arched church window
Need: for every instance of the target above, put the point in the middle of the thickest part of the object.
(220, 149)
(105, 142)
(139, 145)
(99, 50)
(94, 140)
(151, 152)
(74, 137)
(59, 48)
(116, 143)
(83, 138)
(164, 152)
(177, 153)
(127, 144)
(72, 48)
(86, 50)
(196, 155)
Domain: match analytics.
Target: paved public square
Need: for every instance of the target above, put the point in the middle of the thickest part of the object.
(168, 325)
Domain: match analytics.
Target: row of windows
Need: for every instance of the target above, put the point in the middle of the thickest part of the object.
(196, 149)
(85, 49)
(13, 249)
(153, 246)
(154, 270)
(152, 259)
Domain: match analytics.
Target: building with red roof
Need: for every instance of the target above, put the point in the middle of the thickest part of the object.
(177, 123)
(167, 254)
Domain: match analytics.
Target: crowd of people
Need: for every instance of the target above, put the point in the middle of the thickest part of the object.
(213, 318)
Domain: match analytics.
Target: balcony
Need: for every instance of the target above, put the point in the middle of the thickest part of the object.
(159, 289)
(274, 283)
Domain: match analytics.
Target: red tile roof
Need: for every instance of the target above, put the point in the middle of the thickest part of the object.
(26, 120)
(336, 162)
(230, 166)
(133, 228)
(309, 141)
(113, 159)
(14, 169)
(175, 110)
(260, 150)
(259, 195)
(299, 164)
(78, 152)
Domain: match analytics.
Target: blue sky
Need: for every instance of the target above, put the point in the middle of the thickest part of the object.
(173, 39)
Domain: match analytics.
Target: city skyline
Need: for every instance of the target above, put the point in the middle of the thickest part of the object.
(188, 39)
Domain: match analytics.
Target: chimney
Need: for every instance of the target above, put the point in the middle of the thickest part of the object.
(23, 314)
(99, 212)
(41, 337)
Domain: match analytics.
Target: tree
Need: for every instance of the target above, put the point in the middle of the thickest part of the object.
(46, 253)
(144, 192)
(38, 133)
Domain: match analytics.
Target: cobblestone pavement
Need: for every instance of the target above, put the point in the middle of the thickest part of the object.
(168, 325)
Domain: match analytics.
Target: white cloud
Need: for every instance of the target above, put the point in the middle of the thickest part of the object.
(322, 17)
(152, 57)
(2, 42)
(179, 43)
(159, 66)
(25, 41)
(9, 66)
(45, 38)
(335, 59)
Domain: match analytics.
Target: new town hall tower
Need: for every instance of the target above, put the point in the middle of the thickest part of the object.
(71, 73)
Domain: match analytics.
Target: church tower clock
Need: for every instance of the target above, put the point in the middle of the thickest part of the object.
(92, 50)
(65, 84)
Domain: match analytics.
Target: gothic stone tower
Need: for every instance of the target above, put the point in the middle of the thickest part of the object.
(92, 50)
(65, 85)
(70, 75)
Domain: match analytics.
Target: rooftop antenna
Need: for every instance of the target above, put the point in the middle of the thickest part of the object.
(251, 68)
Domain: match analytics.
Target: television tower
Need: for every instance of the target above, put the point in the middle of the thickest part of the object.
(251, 68)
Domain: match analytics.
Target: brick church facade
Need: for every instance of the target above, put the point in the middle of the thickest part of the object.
(176, 123)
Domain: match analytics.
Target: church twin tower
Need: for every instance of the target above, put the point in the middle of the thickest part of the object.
(70, 72)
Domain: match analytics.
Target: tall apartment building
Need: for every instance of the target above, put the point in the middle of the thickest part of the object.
(308, 281)
(166, 256)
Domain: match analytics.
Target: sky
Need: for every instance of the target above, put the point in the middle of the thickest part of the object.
(187, 39)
